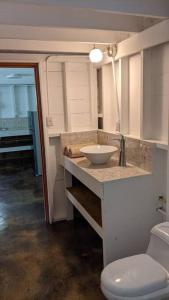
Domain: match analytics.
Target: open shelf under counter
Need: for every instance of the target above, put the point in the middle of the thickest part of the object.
(88, 204)
(114, 201)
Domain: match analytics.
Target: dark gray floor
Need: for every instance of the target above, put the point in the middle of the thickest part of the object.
(39, 262)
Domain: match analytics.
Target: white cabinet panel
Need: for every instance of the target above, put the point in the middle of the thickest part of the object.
(55, 79)
(76, 67)
(70, 93)
(54, 67)
(80, 106)
(108, 98)
(58, 122)
(156, 93)
(7, 106)
(55, 83)
(80, 121)
(80, 92)
(79, 101)
(21, 100)
(55, 93)
(56, 105)
(77, 79)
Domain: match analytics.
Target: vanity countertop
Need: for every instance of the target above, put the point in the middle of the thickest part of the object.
(107, 172)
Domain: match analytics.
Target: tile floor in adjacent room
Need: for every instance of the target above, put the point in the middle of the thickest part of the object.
(40, 262)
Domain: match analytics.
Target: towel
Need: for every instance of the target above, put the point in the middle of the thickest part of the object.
(73, 151)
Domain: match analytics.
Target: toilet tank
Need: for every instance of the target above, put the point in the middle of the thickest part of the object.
(159, 244)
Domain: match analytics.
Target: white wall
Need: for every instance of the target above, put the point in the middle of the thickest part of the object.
(160, 91)
(55, 94)
(152, 44)
(67, 100)
(127, 48)
(108, 98)
(71, 93)
(78, 96)
(135, 95)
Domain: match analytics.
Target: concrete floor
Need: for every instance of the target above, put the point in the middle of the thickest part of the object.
(39, 262)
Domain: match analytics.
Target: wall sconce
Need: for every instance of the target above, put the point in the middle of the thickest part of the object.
(112, 50)
(96, 55)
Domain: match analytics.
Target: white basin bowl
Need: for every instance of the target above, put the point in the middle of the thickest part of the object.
(98, 154)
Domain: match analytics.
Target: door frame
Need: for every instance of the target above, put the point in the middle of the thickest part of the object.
(35, 66)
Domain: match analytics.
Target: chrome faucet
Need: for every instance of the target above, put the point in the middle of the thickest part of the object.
(122, 156)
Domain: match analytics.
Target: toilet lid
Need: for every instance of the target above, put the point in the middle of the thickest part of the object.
(134, 276)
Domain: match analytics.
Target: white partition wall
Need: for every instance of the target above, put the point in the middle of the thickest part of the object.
(78, 93)
(109, 94)
(108, 98)
(135, 95)
(55, 91)
(156, 93)
(68, 87)
(71, 92)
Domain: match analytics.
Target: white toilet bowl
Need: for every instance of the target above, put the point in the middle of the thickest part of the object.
(141, 277)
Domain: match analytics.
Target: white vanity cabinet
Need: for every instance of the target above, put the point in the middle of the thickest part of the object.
(119, 203)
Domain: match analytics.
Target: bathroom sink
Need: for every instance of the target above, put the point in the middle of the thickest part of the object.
(98, 154)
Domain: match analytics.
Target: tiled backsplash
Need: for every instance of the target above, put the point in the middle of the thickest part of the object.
(138, 153)
(14, 123)
(74, 138)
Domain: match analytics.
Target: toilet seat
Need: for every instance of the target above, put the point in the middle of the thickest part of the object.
(134, 278)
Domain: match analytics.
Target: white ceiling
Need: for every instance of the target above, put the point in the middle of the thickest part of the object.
(89, 21)
(62, 34)
(154, 8)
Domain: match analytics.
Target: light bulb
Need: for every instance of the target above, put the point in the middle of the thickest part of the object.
(96, 55)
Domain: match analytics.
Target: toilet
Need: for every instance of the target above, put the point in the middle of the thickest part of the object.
(143, 276)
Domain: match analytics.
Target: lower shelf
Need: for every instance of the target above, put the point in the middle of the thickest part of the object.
(15, 149)
(88, 204)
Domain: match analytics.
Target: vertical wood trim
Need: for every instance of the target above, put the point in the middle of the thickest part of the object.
(68, 126)
(142, 96)
(124, 94)
(146, 88)
(167, 179)
(93, 95)
(42, 144)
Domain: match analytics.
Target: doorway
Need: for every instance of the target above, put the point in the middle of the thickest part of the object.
(22, 151)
